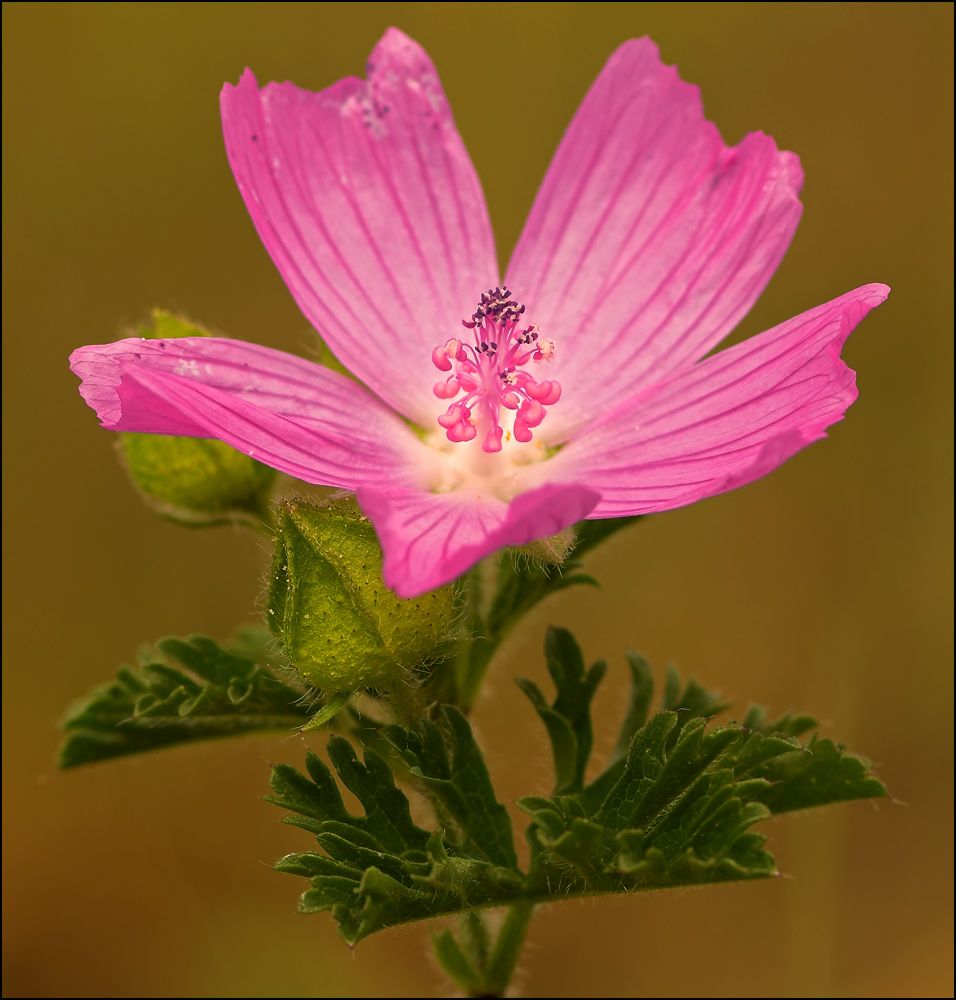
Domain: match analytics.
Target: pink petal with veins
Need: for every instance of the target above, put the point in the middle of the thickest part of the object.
(431, 538)
(366, 199)
(648, 241)
(292, 414)
(649, 238)
(728, 420)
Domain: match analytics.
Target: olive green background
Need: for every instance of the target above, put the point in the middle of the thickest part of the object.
(824, 587)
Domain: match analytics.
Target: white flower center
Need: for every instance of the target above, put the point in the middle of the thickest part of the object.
(468, 467)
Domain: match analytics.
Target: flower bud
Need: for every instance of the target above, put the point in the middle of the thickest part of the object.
(341, 627)
(550, 551)
(194, 481)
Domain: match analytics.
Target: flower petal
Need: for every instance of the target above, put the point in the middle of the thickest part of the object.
(431, 538)
(292, 414)
(366, 199)
(649, 238)
(729, 420)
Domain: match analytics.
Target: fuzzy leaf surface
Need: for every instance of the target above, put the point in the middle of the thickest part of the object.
(675, 808)
(185, 690)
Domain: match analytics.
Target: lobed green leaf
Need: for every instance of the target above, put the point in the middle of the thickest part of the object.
(675, 807)
(199, 690)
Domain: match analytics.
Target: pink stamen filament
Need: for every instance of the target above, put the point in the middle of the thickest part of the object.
(489, 374)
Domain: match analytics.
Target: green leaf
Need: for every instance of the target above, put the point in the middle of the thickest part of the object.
(568, 720)
(379, 868)
(639, 705)
(199, 690)
(689, 702)
(676, 806)
(821, 773)
(387, 817)
(677, 809)
(520, 583)
(460, 787)
(592, 533)
(677, 815)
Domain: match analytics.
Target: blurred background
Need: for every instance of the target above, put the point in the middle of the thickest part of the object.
(825, 587)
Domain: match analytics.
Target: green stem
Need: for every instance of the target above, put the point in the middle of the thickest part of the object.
(504, 956)
(478, 970)
(471, 671)
(404, 700)
(462, 684)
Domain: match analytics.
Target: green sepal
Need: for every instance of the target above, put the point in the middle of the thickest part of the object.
(332, 707)
(199, 690)
(197, 482)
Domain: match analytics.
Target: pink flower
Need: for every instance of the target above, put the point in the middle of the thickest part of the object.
(579, 390)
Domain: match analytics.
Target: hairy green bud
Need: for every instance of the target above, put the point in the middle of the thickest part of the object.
(193, 481)
(550, 551)
(340, 626)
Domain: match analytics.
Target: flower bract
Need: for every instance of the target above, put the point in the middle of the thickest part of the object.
(489, 411)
